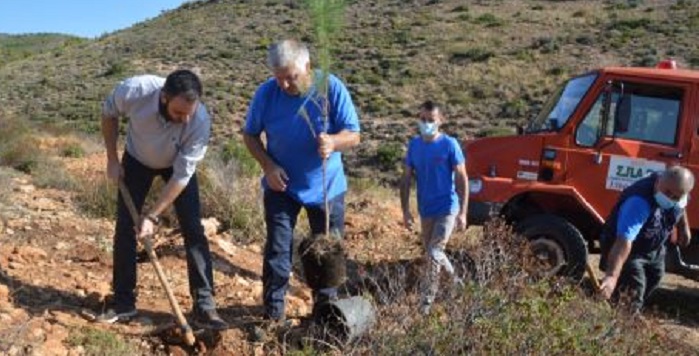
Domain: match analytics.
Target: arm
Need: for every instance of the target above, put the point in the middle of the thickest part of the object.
(275, 175)
(405, 183)
(618, 255)
(341, 141)
(110, 132)
(344, 131)
(684, 234)
(113, 107)
(632, 214)
(462, 192)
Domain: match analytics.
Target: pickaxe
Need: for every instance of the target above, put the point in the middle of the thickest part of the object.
(148, 245)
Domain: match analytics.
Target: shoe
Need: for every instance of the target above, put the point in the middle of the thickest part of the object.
(261, 331)
(116, 314)
(208, 319)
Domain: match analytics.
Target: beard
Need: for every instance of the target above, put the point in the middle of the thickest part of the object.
(162, 109)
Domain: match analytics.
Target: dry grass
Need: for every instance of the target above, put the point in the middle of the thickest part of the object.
(501, 310)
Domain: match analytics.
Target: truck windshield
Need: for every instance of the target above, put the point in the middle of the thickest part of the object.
(562, 104)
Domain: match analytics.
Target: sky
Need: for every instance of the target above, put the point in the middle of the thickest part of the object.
(84, 18)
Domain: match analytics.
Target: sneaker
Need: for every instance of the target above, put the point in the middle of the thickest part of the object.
(116, 314)
(208, 319)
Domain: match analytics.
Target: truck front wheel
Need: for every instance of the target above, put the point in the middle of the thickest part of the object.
(557, 245)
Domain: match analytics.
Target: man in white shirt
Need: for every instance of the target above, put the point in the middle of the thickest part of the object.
(168, 134)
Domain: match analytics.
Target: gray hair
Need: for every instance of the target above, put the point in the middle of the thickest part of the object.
(286, 53)
(680, 176)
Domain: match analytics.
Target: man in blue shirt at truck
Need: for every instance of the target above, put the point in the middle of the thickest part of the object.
(635, 235)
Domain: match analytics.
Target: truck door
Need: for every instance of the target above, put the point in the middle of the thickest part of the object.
(609, 153)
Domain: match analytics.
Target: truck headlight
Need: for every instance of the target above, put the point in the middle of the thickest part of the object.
(475, 186)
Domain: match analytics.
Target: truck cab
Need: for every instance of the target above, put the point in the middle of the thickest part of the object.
(558, 179)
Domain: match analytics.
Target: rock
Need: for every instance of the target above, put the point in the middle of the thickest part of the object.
(6, 306)
(14, 350)
(44, 204)
(211, 226)
(29, 252)
(255, 248)
(226, 246)
(4, 292)
(241, 281)
(61, 245)
(256, 289)
(25, 188)
(35, 331)
(15, 265)
(9, 231)
(5, 319)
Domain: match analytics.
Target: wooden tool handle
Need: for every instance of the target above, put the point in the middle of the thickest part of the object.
(148, 244)
(593, 276)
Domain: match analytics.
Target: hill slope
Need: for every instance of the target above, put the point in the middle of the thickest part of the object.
(491, 61)
(17, 47)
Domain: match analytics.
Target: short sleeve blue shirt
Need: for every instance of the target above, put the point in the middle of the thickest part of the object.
(290, 142)
(633, 213)
(433, 165)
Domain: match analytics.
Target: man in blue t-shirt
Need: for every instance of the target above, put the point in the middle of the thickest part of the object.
(438, 164)
(635, 234)
(288, 109)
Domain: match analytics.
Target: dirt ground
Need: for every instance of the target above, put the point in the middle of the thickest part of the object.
(55, 263)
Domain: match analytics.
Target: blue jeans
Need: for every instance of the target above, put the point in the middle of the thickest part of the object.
(281, 213)
(138, 179)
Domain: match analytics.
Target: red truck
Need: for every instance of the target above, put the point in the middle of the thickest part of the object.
(557, 180)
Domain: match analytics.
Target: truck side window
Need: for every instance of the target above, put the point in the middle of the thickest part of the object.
(654, 116)
(587, 132)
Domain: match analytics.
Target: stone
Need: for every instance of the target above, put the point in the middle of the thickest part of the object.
(226, 246)
(4, 292)
(25, 188)
(15, 265)
(256, 289)
(211, 226)
(255, 248)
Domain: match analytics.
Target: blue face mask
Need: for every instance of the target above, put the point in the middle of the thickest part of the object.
(427, 129)
(664, 202)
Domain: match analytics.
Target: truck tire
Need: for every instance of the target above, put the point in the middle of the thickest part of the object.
(556, 243)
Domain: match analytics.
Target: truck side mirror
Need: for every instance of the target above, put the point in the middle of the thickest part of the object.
(622, 116)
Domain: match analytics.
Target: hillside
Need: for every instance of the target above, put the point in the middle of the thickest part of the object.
(492, 62)
(18, 47)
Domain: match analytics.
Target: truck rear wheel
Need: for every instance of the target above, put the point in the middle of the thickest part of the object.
(557, 245)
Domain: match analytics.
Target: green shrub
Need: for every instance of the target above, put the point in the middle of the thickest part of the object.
(389, 154)
(235, 152)
(489, 20)
(97, 342)
(74, 150)
(50, 173)
(233, 198)
(475, 54)
(97, 198)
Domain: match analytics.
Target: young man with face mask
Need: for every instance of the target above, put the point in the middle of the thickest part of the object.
(635, 234)
(437, 162)
(167, 135)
